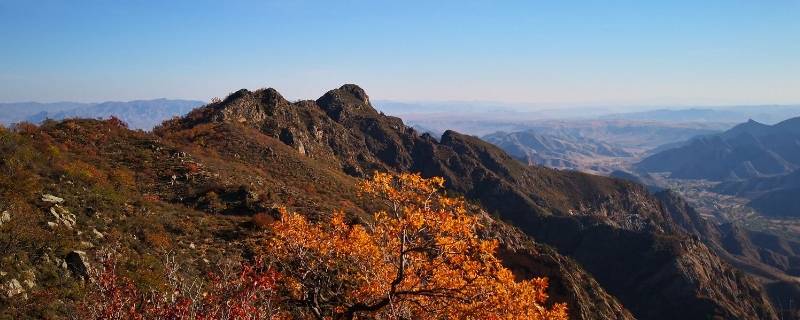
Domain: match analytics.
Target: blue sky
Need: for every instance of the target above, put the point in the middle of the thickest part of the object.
(556, 52)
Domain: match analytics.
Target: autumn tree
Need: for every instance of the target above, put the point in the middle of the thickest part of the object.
(420, 258)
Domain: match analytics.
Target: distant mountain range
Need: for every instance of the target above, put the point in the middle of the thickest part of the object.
(14, 112)
(749, 150)
(594, 146)
(138, 114)
(557, 151)
(731, 114)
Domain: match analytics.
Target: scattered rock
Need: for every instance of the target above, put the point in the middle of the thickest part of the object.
(4, 217)
(51, 198)
(97, 234)
(62, 216)
(13, 288)
(78, 264)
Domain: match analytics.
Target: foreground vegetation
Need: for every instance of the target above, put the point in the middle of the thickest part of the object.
(419, 259)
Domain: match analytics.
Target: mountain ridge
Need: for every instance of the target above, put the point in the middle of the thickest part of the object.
(573, 212)
(201, 185)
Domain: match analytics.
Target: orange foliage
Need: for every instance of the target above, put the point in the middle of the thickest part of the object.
(420, 259)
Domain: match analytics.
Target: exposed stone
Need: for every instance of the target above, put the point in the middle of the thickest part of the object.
(97, 234)
(51, 198)
(62, 216)
(5, 216)
(13, 288)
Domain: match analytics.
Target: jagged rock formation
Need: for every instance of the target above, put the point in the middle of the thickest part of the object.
(620, 234)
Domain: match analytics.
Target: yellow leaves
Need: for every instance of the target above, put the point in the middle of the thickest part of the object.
(421, 259)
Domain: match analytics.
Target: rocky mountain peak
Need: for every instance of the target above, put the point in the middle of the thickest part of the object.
(345, 102)
(245, 106)
(270, 96)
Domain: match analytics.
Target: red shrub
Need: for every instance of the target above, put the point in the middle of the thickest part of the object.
(246, 294)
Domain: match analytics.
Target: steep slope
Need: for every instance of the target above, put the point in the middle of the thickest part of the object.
(771, 259)
(746, 151)
(615, 229)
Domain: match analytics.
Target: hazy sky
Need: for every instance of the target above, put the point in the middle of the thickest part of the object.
(570, 52)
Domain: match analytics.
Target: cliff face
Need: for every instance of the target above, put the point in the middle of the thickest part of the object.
(621, 235)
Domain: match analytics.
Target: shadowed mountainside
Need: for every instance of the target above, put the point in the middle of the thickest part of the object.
(615, 229)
